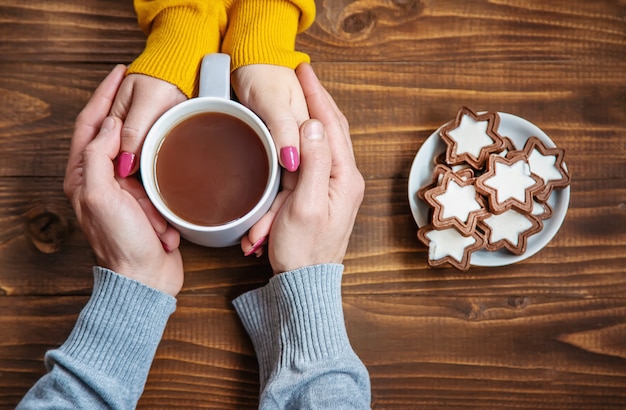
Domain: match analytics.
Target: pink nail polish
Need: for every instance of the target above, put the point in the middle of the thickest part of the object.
(125, 164)
(255, 246)
(166, 248)
(290, 159)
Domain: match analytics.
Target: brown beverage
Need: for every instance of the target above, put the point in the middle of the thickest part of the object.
(211, 169)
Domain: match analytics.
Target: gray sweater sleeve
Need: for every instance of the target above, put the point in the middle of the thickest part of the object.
(106, 359)
(297, 328)
(295, 322)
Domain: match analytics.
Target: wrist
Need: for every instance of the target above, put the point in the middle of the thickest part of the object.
(179, 37)
(118, 331)
(296, 318)
(264, 33)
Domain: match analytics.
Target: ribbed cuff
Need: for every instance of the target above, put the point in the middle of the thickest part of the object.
(264, 33)
(119, 329)
(179, 38)
(258, 313)
(296, 318)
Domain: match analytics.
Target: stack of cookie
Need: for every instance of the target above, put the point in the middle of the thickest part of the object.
(485, 193)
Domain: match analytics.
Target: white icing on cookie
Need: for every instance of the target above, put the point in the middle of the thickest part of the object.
(448, 242)
(508, 225)
(471, 136)
(538, 208)
(511, 181)
(458, 201)
(544, 166)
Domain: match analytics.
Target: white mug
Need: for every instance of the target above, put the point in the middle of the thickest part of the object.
(214, 96)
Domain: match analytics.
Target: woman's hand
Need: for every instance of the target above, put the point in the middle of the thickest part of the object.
(274, 94)
(140, 100)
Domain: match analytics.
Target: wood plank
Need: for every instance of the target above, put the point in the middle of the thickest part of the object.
(545, 333)
(451, 31)
(582, 107)
(490, 352)
(585, 258)
(479, 351)
(346, 30)
(69, 31)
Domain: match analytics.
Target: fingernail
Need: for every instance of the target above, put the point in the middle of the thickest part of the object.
(255, 246)
(314, 130)
(108, 124)
(166, 248)
(289, 158)
(125, 164)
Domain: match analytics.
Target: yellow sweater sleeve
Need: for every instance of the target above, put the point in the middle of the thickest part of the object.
(180, 33)
(264, 32)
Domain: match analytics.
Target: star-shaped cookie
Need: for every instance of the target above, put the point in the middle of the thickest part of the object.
(449, 246)
(509, 183)
(455, 203)
(472, 138)
(548, 164)
(509, 230)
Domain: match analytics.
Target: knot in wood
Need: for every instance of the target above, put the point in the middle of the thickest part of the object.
(47, 231)
(358, 22)
(517, 302)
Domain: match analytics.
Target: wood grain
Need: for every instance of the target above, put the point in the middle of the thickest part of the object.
(421, 351)
(545, 333)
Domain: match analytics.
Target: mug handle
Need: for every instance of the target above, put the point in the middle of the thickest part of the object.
(215, 76)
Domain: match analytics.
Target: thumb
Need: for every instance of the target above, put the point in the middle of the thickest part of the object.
(316, 163)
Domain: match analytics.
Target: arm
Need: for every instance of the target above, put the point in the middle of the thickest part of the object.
(297, 328)
(296, 321)
(265, 32)
(105, 361)
(261, 39)
(179, 33)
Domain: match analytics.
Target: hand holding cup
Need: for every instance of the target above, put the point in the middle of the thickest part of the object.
(317, 208)
(125, 231)
(209, 164)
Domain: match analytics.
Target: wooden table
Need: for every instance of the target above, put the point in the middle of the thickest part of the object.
(545, 333)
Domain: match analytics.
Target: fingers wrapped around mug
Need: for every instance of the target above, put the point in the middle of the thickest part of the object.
(140, 101)
(274, 93)
(127, 236)
(315, 223)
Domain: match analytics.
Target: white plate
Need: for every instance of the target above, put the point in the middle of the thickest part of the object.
(518, 130)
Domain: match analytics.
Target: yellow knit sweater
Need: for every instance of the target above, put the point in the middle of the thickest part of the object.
(181, 32)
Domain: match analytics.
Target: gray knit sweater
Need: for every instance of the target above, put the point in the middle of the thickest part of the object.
(295, 322)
